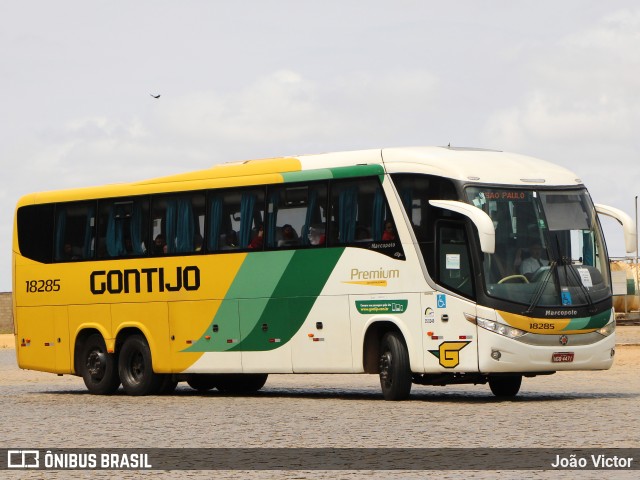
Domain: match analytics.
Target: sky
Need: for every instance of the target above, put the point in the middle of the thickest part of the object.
(239, 80)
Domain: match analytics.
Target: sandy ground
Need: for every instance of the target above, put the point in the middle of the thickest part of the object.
(7, 341)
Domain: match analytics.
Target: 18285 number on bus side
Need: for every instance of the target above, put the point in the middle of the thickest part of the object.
(40, 286)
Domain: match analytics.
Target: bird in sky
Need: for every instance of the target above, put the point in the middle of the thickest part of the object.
(155, 96)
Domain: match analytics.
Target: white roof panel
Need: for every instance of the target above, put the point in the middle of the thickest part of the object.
(482, 166)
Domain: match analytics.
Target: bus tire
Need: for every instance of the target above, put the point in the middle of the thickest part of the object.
(203, 382)
(241, 383)
(135, 368)
(168, 385)
(395, 374)
(98, 367)
(505, 386)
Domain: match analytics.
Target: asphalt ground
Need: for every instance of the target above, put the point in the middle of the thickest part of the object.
(590, 409)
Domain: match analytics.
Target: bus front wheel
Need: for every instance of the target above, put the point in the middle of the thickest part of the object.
(135, 368)
(98, 368)
(505, 386)
(395, 374)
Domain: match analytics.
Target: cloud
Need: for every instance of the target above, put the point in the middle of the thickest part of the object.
(584, 91)
(276, 107)
(280, 113)
(580, 107)
(284, 108)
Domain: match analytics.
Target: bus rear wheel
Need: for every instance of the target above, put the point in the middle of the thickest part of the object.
(505, 386)
(203, 382)
(241, 383)
(168, 385)
(135, 368)
(98, 367)
(395, 374)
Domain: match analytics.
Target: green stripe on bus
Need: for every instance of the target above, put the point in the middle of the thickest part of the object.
(357, 171)
(284, 313)
(585, 323)
(338, 172)
(257, 277)
(269, 300)
(307, 175)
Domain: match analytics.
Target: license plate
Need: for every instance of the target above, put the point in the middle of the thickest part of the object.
(562, 357)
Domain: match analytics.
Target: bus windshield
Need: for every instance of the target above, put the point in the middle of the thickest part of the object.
(549, 247)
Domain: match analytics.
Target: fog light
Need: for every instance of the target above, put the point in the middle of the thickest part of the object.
(613, 352)
(495, 354)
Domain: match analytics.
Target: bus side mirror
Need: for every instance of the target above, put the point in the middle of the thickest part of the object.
(628, 225)
(480, 219)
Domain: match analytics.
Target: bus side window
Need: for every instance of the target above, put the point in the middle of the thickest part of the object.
(252, 219)
(359, 212)
(296, 215)
(123, 227)
(35, 232)
(176, 219)
(74, 237)
(415, 191)
(235, 218)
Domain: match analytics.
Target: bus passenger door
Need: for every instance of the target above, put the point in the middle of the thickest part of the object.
(450, 340)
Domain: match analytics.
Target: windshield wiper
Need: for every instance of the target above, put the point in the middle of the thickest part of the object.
(541, 288)
(568, 267)
(553, 264)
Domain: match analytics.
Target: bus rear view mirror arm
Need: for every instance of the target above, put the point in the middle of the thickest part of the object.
(628, 225)
(482, 221)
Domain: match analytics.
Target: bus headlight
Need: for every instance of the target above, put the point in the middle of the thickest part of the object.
(608, 329)
(499, 328)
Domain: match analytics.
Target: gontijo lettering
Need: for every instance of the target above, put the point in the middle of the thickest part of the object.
(144, 280)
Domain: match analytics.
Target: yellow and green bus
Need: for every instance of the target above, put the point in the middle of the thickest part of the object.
(426, 265)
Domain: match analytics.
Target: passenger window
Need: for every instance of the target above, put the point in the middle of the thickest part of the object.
(296, 216)
(123, 227)
(360, 214)
(74, 237)
(236, 219)
(35, 232)
(178, 221)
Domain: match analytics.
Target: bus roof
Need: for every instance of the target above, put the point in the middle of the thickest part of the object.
(464, 164)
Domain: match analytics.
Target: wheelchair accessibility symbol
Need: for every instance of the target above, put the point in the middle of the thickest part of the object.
(441, 301)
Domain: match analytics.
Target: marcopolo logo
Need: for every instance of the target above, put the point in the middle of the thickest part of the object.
(144, 280)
